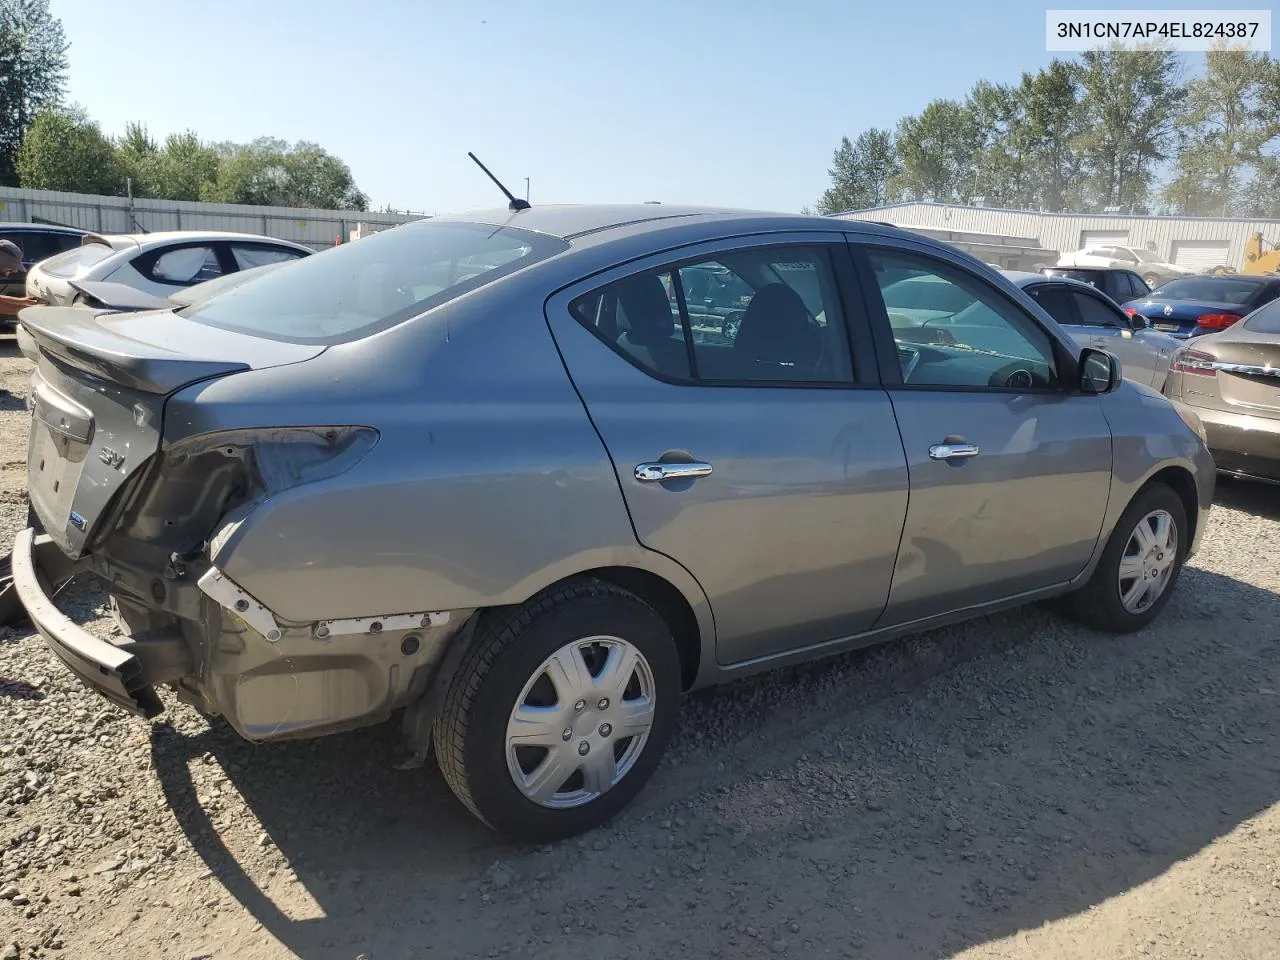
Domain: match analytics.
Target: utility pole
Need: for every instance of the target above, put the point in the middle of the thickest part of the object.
(526, 188)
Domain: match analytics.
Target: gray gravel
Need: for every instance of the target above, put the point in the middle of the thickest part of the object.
(1012, 787)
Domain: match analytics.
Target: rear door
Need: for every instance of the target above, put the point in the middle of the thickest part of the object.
(762, 456)
(1010, 473)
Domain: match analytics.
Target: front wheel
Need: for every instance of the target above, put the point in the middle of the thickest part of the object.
(1139, 566)
(560, 712)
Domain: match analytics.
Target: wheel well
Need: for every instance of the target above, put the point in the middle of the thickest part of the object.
(671, 606)
(1183, 484)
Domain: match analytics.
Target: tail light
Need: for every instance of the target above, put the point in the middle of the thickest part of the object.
(1131, 312)
(1195, 362)
(1216, 321)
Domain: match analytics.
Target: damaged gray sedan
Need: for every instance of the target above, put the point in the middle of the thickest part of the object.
(508, 476)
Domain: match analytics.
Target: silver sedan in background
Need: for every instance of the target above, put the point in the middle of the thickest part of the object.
(496, 472)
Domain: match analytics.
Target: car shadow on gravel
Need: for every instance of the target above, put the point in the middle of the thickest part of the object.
(1249, 496)
(912, 800)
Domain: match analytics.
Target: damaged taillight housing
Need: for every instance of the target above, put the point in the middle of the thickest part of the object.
(196, 481)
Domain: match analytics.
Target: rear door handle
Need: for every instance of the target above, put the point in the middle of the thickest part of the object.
(948, 451)
(657, 472)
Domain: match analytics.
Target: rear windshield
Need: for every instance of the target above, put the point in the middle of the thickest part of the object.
(71, 262)
(1235, 290)
(1265, 319)
(359, 288)
(1087, 276)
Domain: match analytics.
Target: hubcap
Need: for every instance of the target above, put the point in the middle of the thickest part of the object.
(581, 722)
(1148, 560)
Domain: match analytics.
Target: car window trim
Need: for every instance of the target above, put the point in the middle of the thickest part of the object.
(1063, 356)
(674, 258)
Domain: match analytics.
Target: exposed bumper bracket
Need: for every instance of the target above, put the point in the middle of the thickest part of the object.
(112, 670)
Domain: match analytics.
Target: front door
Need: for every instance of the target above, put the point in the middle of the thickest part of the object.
(1140, 352)
(761, 454)
(1009, 472)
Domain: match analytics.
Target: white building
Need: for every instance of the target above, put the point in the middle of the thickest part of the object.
(1199, 243)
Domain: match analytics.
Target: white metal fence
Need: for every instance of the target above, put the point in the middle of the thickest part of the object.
(315, 228)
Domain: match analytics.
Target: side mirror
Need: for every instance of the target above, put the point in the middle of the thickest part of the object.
(1139, 321)
(1099, 371)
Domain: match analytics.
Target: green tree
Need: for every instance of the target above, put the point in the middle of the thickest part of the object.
(65, 150)
(1225, 127)
(185, 169)
(137, 154)
(1130, 105)
(860, 173)
(1050, 105)
(33, 64)
(274, 173)
(936, 151)
(1002, 177)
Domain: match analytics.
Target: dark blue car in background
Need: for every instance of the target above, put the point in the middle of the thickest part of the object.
(1190, 306)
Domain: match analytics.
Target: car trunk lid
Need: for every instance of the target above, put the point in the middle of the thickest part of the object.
(1246, 374)
(98, 395)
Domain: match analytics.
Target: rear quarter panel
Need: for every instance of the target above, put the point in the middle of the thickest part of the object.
(487, 484)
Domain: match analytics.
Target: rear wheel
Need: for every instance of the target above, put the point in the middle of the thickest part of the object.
(560, 712)
(1139, 566)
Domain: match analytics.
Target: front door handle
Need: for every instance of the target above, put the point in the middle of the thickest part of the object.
(657, 472)
(948, 451)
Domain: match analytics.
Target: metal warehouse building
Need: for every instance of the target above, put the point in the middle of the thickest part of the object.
(1198, 243)
(314, 228)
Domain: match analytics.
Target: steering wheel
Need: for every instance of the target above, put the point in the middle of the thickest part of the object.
(1016, 374)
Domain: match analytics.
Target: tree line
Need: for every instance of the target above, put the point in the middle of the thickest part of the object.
(47, 144)
(1113, 130)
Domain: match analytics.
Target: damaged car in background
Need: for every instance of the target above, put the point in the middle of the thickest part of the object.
(482, 471)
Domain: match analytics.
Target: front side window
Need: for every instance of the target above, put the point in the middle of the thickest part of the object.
(954, 330)
(767, 315)
(1095, 313)
(1055, 301)
(355, 289)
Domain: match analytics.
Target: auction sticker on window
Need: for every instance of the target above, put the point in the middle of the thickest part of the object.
(1185, 30)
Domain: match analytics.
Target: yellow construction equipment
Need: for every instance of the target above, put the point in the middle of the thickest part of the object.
(1258, 259)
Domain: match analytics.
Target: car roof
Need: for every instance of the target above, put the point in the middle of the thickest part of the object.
(1022, 278)
(569, 221)
(24, 225)
(1097, 269)
(121, 241)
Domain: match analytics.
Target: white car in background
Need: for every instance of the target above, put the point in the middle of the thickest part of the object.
(155, 263)
(1146, 263)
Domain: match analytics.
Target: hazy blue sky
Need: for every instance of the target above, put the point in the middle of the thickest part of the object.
(736, 102)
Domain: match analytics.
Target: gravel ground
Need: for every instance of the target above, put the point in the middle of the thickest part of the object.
(1012, 787)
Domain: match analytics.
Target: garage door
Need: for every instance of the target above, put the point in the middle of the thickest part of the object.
(1200, 255)
(1089, 238)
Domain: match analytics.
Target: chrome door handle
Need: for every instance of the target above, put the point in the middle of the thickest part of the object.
(947, 451)
(657, 472)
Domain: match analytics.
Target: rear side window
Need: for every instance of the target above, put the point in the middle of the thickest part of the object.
(356, 289)
(767, 315)
(37, 246)
(1137, 286)
(182, 266)
(71, 262)
(1266, 319)
(248, 257)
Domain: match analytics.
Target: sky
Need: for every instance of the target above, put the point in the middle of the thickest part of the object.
(721, 102)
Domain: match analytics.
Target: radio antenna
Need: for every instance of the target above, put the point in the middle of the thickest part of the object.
(515, 202)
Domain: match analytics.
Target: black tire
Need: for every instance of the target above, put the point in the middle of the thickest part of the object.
(1098, 604)
(470, 732)
(12, 612)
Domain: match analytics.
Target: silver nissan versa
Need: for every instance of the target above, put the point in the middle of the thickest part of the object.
(506, 473)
